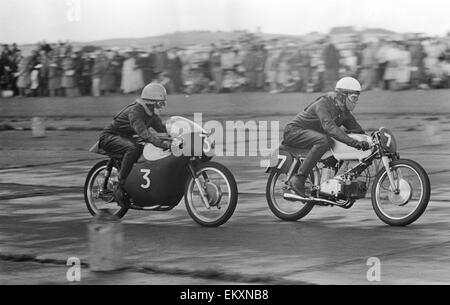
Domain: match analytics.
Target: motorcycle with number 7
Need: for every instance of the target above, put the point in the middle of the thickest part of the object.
(160, 179)
(400, 190)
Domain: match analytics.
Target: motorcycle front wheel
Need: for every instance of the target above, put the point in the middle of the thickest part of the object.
(405, 204)
(96, 197)
(219, 189)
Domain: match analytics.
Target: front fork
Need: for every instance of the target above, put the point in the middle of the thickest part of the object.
(203, 194)
(393, 185)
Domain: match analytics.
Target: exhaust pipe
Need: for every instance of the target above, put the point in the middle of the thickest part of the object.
(156, 208)
(294, 197)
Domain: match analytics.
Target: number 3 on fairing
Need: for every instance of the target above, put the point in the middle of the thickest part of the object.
(146, 178)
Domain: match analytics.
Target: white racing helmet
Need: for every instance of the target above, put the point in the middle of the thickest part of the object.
(348, 85)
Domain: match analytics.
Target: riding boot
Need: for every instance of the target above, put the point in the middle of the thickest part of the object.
(298, 185)
(298, 181)
(128, 160)
(119, 194)
(311, 159)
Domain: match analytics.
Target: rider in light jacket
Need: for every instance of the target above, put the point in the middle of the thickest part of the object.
(314, 127)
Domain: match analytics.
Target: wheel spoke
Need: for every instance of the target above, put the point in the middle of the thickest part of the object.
(96, 201)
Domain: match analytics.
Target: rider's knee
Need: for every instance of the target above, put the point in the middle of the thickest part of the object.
(134, 149)
(326, 142)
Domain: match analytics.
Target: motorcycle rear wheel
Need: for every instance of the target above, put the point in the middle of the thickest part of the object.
(91, 192)
(219, 184)
(280, 207)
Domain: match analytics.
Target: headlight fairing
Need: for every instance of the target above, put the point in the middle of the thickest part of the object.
(387, 140)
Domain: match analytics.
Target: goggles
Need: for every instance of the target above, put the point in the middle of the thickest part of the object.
(354, 97)
(160, 104)
(156, 104)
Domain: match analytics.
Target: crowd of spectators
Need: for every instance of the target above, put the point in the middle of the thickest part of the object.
(248, 64)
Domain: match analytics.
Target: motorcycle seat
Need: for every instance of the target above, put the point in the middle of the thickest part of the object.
(97, 150)
(112, 156)
(298, 152)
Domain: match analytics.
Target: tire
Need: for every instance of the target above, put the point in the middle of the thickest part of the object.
(422, 202)
(88, 185)
(232, 201)
(271, 201)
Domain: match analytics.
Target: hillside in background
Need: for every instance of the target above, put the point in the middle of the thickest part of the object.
(177, 39)
(180, 39)
(183, 39)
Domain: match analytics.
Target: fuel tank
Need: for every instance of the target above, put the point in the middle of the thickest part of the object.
(344, 152)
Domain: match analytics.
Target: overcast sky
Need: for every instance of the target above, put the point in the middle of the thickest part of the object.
(33, 20)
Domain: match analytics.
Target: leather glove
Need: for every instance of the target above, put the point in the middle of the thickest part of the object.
(166, 145)
(362, 145)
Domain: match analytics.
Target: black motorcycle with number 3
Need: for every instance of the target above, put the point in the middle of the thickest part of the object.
(400, 190)
(160, 179)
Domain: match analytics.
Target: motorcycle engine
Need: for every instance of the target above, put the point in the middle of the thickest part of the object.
(355, 190)
(333, 187)
(341, 189)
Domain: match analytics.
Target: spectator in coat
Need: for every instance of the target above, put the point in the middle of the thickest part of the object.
(98, 70)
(382, 57)
(23, 75)
(8, 67)
(108, 77)
(260, 61)
(44, 60)
(174, 68)
(215, 61)
(68, 82)
(271, 68)
(250, 64)
(417, 64)
(160, 60)
(132, 76)
(403, 73)
(302, 63)
(283, 71)
(393, 58)
(146, 62)
(85, 72)
(4, 55)
(331, 60)
(369, 67)
(54, 74)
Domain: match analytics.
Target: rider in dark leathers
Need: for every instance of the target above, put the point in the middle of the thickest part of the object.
(135, 119)
(314, 127)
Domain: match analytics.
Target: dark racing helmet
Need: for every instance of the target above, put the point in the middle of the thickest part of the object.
(154, 94)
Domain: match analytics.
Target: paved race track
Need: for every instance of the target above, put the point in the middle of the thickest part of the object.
(43, 219)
